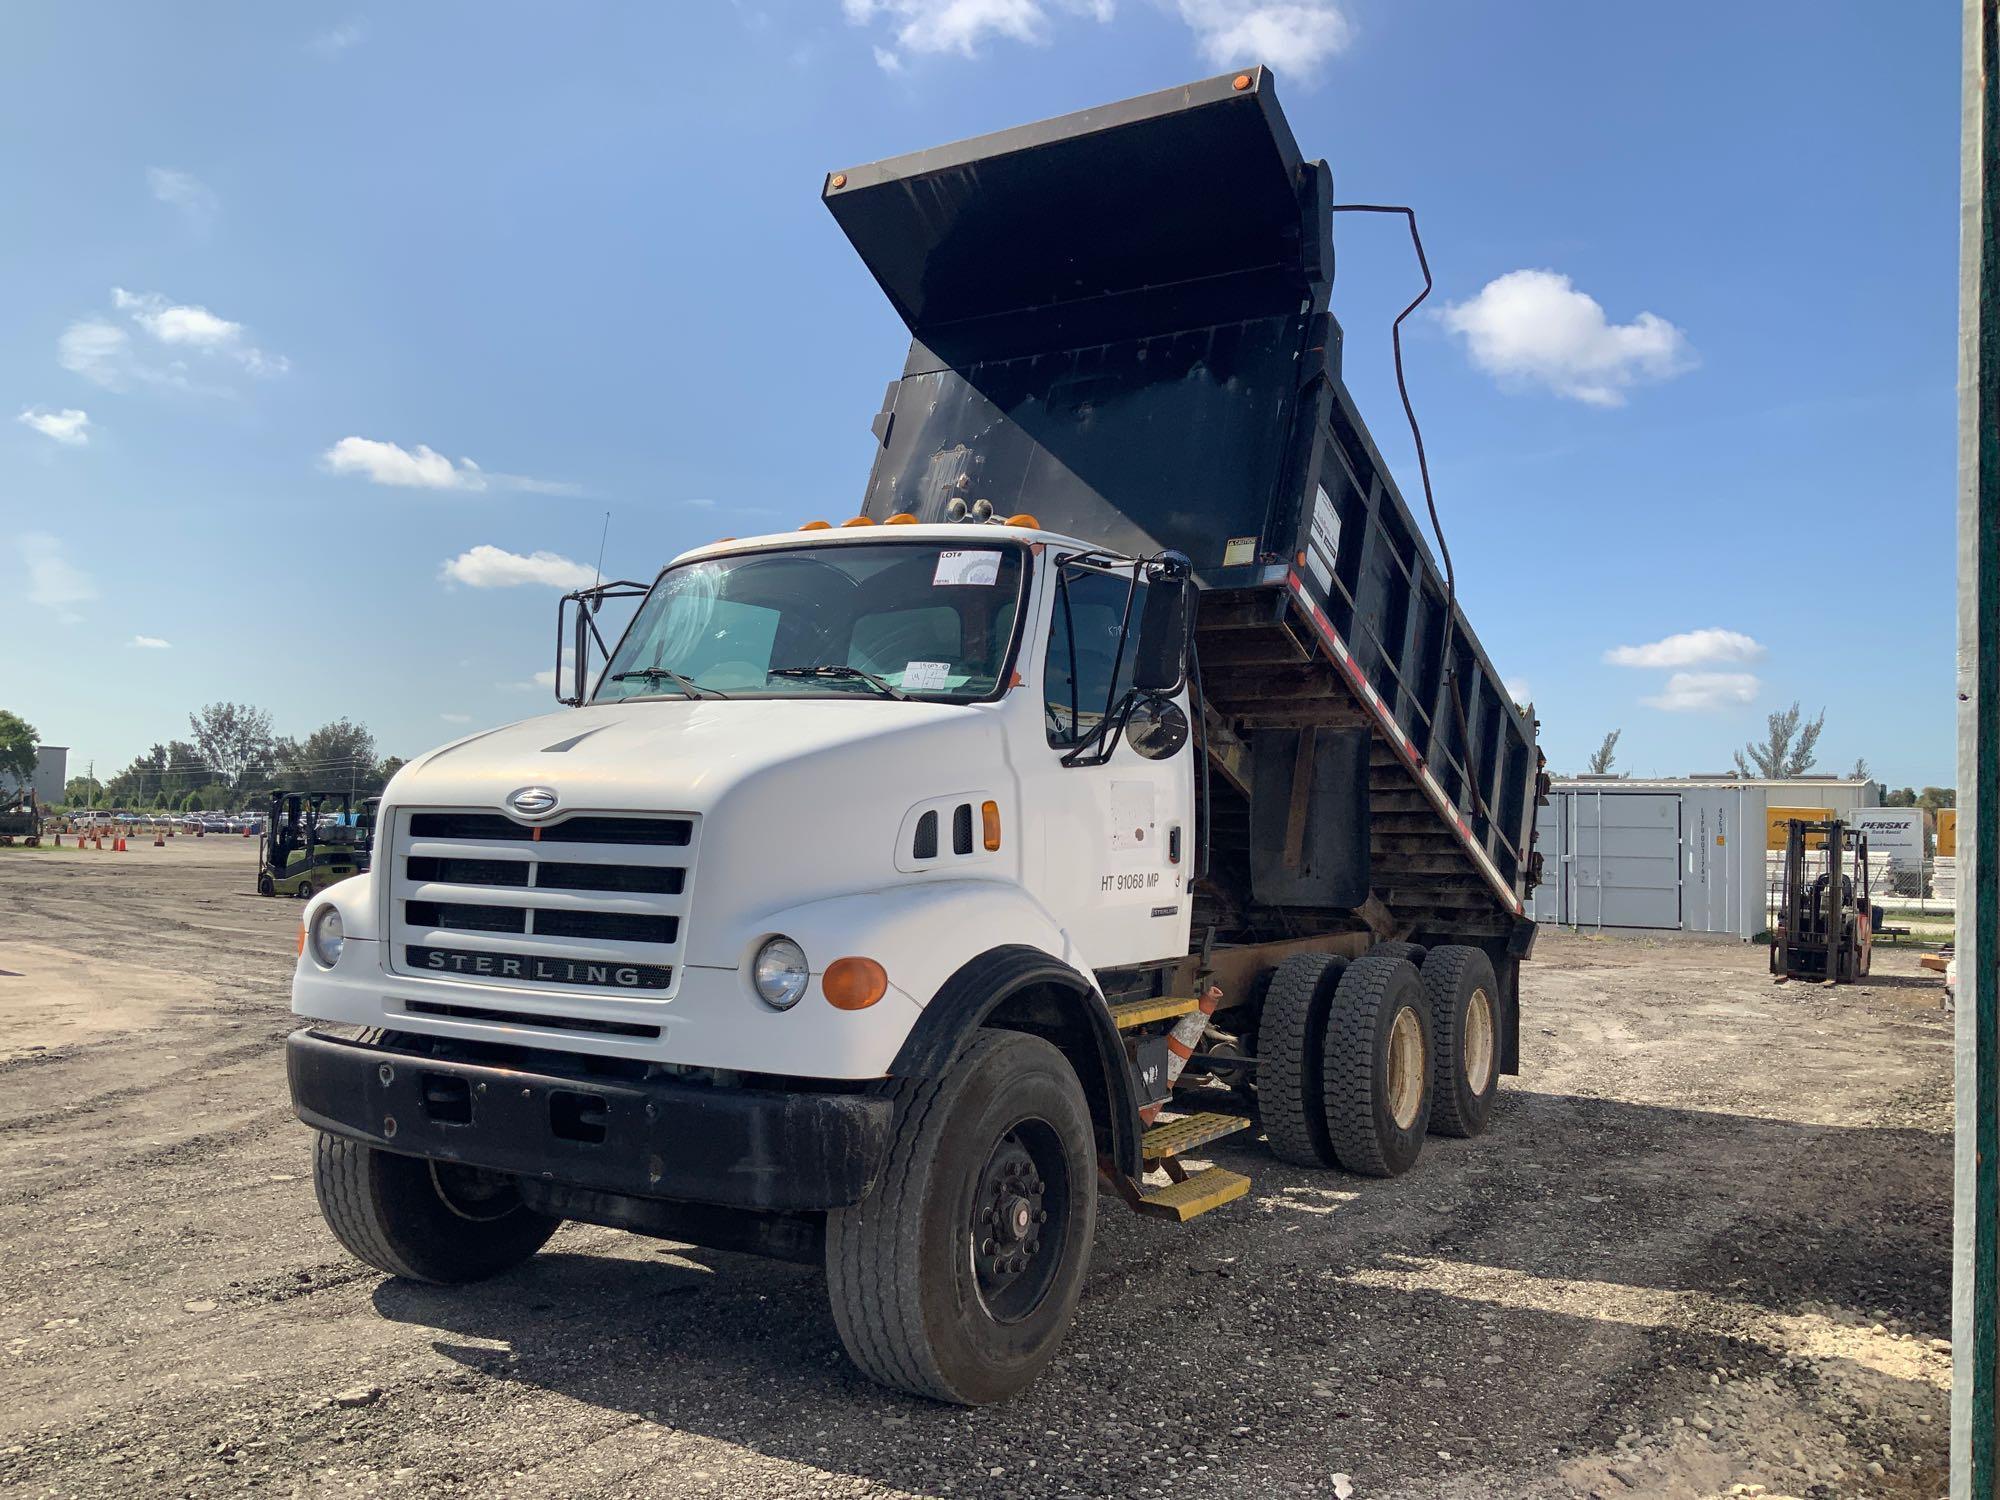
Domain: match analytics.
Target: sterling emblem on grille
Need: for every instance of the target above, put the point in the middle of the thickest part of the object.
(533, 801)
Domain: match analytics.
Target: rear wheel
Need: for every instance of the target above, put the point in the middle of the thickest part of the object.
(1414, 952)
(423, 1220)
(305, 889)
(1291, 1040)
(957, 1276)
(1465, 1028)
(1377, 1070)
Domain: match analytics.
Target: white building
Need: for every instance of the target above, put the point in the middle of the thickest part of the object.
(1681, 854)
(51, 775)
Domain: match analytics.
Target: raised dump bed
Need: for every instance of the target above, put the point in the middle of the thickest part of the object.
(1119, 324)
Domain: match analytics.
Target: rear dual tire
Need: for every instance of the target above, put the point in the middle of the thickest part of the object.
(1344, 1072)
(1464, 998)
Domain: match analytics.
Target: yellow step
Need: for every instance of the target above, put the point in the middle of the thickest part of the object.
(1138, 1012)
(1176, 1136)
(1181, 1201)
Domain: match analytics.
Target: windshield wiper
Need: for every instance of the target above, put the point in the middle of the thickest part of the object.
(687, 685)
(845, 674)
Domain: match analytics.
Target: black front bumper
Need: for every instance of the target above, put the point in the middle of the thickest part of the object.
(743, 1148)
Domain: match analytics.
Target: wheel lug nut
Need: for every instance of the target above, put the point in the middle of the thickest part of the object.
(986, 1247)
(1041, 1216)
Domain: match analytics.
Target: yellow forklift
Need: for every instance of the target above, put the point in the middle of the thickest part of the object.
(1823, 926)
(312, 839)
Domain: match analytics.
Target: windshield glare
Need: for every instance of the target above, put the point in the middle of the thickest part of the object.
(930, 620)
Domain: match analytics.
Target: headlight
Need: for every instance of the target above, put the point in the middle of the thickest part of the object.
(780, 973)
(326, 937)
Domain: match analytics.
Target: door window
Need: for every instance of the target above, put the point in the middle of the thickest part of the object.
(1083, 649)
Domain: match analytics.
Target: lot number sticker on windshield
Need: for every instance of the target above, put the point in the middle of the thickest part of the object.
(926, 676)
(956, 567)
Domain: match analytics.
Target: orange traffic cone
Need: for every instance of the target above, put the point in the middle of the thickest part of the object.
(118, 846)
(246, 833)
(159, 839)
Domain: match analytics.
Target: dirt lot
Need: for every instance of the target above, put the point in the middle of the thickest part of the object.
(1704, 1250)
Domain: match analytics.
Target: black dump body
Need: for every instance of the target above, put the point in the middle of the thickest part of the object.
(1120, 326)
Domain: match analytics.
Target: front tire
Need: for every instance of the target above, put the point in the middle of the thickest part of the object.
(957, 1276)
(422, 1220)
(1464, 997)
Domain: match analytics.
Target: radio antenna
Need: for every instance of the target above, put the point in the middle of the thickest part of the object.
(602, 538)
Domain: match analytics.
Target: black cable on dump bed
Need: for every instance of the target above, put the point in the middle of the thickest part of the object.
(1430, 499)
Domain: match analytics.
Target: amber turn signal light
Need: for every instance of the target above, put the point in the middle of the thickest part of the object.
(989, 820)
(854, 983)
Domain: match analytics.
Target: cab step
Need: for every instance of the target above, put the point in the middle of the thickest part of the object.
(1195, 1194)
(1130, 1013)
(1186, 1133)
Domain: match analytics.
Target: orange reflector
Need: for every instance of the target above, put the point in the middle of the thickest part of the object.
(815, 526)
(989, 818)
(854, 983)
(1024, 519)
(901, 518)
(1239, 83)
(840, 179)
(302, 940)
(857, 521)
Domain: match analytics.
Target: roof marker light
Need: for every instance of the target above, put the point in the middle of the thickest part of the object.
(857, 521)
(1025, 520)
(1239, 83)
(901, 518)
(815, 526)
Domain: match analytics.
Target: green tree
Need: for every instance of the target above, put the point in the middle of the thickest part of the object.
(82, 791)
(17, 747)
(386, 772)
(1787, 750)
(233, 739)
(340, 755)
(1931, 798)
(1904, 797)
(1606, 754)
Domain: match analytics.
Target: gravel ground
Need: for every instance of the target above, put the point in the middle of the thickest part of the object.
(1702, 1251)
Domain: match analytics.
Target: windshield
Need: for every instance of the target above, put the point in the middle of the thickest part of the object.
(887, 619)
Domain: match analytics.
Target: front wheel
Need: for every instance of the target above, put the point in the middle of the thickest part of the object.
(423, 1220)
(957, 1276)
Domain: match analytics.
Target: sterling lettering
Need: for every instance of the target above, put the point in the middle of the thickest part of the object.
(538, 969)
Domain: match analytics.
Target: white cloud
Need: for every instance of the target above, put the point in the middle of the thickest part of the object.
(1694, 692)
(960, 26)
(1536, 328)
(69, 426)
(176, 324)
(184, 191)
(103, 352)
(1690, 648)
(546, 677)
(422, 468)
(489, 567)
(151, 643)
(1518, 689)
(888, 61)
(334, 42)
(1293, 36)
(53, 581)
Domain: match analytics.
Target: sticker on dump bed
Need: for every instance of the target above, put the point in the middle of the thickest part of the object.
(1324, 545)
(957, 567)
(1238, 551)
(926, 676)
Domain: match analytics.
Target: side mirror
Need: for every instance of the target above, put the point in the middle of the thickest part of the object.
(1156, 728)
(1160, 661)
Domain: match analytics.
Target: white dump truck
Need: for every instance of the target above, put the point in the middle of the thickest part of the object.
(894, 890)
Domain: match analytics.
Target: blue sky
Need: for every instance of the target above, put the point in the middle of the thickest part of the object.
(363, 309)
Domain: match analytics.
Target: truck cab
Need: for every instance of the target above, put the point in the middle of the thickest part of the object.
(887, 888)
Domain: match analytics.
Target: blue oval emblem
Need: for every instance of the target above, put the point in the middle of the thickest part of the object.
(533, 801)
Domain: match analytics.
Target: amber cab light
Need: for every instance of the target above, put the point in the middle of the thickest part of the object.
(989, 818)
(901, 518)
(815, 526)
(854, 983)
(858, 521)
(1025, 521)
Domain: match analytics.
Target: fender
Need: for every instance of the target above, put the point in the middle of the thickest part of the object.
(1026, 989)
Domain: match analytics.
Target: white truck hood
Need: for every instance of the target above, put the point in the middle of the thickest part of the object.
(659, 755)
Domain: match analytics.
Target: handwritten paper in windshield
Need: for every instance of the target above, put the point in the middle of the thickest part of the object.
(968, 568)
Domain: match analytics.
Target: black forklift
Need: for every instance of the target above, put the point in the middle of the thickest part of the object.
(21, 818)
(1823, 924)
(312, 839)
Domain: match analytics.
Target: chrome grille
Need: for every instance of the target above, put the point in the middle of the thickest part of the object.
(599, 896)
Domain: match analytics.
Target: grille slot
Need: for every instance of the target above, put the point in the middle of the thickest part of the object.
(961, 829)
(553, 876)
(587, 829)
(519, 1018)
(615, 925)
(458, 916)
(924, 844)
(434, 871)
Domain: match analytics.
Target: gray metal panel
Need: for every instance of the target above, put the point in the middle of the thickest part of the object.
(1624, 866)
(1545, 902)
